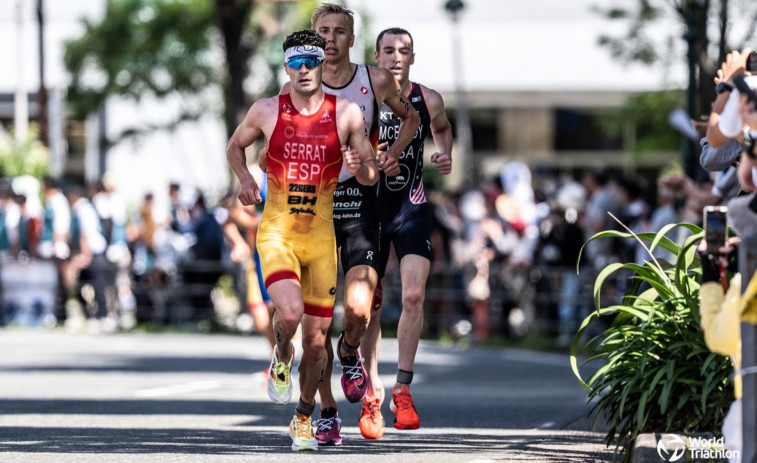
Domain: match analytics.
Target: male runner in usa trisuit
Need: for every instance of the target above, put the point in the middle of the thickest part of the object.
(404, 216)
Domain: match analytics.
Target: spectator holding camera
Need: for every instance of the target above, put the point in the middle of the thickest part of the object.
(731, 113)
(747, 170)
(725, 120)
(722, 308)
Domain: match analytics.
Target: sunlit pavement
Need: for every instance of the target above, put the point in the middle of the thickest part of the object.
(192, 397)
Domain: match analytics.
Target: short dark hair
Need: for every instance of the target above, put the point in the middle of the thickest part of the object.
(393, 31)
(304, 37)
(49, 182)
(75, 189)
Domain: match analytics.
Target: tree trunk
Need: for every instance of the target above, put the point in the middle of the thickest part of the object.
(233, 16)
(706, 74)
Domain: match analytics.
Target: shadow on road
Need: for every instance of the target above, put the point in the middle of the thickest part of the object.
(220, 442)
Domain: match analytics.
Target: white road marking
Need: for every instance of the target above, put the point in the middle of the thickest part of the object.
(178, 389)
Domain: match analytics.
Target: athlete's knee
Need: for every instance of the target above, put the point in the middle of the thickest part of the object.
(358, 303)
(357, 319)
(313, 345)
(412, 297)
(287, 320)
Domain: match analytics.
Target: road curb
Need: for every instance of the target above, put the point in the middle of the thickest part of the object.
(645, 449)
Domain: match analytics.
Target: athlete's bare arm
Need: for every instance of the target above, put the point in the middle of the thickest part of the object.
(359, 158)
(441, 130)
(240, 250)
(260, 119)
(388, 91)
(241, 217)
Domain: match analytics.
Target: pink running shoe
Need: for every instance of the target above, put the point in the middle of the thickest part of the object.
(355, 382)
(327, 430)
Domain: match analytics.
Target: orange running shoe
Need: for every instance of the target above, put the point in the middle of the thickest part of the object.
(402, 406)
(371, 422)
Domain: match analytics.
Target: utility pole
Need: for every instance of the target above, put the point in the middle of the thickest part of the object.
(44, 126)
(693, 35)
(462, 123)
(21, 98)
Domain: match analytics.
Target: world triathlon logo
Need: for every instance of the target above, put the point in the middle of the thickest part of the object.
(671, 447)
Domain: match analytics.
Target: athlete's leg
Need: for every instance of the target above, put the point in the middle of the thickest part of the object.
(372, 336)
(324, 388)
(371, 423)
(414, 273)
(313, 361)
(370, 344)
(289, 309)
(359, 284)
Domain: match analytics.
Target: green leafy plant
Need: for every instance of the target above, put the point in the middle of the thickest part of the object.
(656, 373)
(28, 157)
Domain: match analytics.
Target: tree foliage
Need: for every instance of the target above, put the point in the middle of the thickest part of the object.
(140, 47)
(29, 157)
(185, 47)
(707, 24)
(647, 113)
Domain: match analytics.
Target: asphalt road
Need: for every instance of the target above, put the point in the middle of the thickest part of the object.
(190, 398)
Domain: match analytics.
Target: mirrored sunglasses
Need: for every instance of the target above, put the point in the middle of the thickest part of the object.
(310, 62)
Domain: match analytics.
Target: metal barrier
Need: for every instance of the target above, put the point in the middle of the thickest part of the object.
(520, 298)
(28, 292)
(178, 295)
(183, 294)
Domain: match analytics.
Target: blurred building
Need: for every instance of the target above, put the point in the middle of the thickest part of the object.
(192, 154)
(536, 84)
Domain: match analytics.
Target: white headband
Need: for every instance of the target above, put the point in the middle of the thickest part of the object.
(304, 50)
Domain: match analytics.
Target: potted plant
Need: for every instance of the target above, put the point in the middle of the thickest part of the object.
(655, 372)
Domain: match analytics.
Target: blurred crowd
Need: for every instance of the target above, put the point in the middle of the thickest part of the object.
(78, 255)
(505, 254)
(516, 243)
